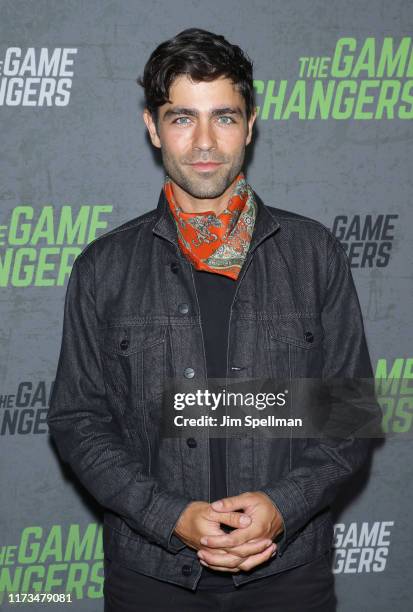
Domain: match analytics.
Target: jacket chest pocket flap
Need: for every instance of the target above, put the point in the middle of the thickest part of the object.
(134, 359)
(296, 346)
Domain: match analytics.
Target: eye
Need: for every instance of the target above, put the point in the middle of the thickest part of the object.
(180, 122)
(228, 121)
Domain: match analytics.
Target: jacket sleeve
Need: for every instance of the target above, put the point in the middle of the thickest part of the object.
(82, 426)
(326, 462)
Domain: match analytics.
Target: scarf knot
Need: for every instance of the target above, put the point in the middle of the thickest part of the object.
(216, 243)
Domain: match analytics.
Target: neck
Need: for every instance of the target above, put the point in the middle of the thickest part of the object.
(190, 204)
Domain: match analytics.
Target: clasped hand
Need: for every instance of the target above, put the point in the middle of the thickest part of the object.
(249, 544)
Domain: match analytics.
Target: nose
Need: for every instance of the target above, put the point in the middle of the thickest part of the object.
(204, 137)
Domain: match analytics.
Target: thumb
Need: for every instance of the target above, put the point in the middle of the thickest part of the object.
(233, 519)
(229, 504)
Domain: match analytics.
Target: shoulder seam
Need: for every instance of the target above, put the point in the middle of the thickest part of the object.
(336, 245)
(300, 220)
(117, 231)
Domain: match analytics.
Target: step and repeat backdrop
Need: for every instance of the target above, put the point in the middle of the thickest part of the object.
(333, 141)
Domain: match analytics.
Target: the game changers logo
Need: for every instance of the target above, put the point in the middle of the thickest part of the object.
(361, 547)
(36, 77)
(363, 79)
(24, 412)
(61, 559)
(39, 245)
(394, 389)
(367, 239)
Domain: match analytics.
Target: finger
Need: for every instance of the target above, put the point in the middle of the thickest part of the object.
(219, 558)
(228, 540)
(252, 547)
(249, 548)
(233, 519)
(221, 569)
(258, 559)
(237, 502)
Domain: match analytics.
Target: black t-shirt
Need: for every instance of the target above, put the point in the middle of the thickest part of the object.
(215, 294)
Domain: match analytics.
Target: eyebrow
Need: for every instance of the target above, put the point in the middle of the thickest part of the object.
(192, 112)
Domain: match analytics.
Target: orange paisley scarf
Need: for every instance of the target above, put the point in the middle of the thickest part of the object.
(216, 243)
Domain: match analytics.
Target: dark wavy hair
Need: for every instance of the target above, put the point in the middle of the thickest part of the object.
(201, 55)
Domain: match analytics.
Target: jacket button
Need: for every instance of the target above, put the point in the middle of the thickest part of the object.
(191, 442)
(183, 308)
(174, 267)
(124, 344)
(189, 373)
(308, 336)
(186, 570)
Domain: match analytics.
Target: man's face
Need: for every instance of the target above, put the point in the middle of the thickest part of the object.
(202, 135)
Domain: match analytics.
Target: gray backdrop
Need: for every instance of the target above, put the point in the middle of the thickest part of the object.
(74, 146)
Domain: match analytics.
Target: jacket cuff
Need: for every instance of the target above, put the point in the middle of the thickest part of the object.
(161, 519)
(293, 507)
(175, 544)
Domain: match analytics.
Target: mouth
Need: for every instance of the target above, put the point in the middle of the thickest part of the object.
(205, 166)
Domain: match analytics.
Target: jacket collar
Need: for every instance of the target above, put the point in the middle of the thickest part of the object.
(265, 223)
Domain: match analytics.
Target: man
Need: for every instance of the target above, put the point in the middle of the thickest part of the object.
(211, 284)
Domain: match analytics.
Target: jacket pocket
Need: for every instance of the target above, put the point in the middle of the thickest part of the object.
(133, 360)
(296, 349)
(296, 345)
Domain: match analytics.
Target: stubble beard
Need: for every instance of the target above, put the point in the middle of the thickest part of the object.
(206, 185)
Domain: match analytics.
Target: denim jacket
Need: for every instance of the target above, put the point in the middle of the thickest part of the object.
(132, 319)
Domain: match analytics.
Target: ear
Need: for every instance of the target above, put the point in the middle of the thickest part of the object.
(150, 124)
(251, 122)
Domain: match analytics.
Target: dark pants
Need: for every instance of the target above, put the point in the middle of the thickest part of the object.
(305, 588)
